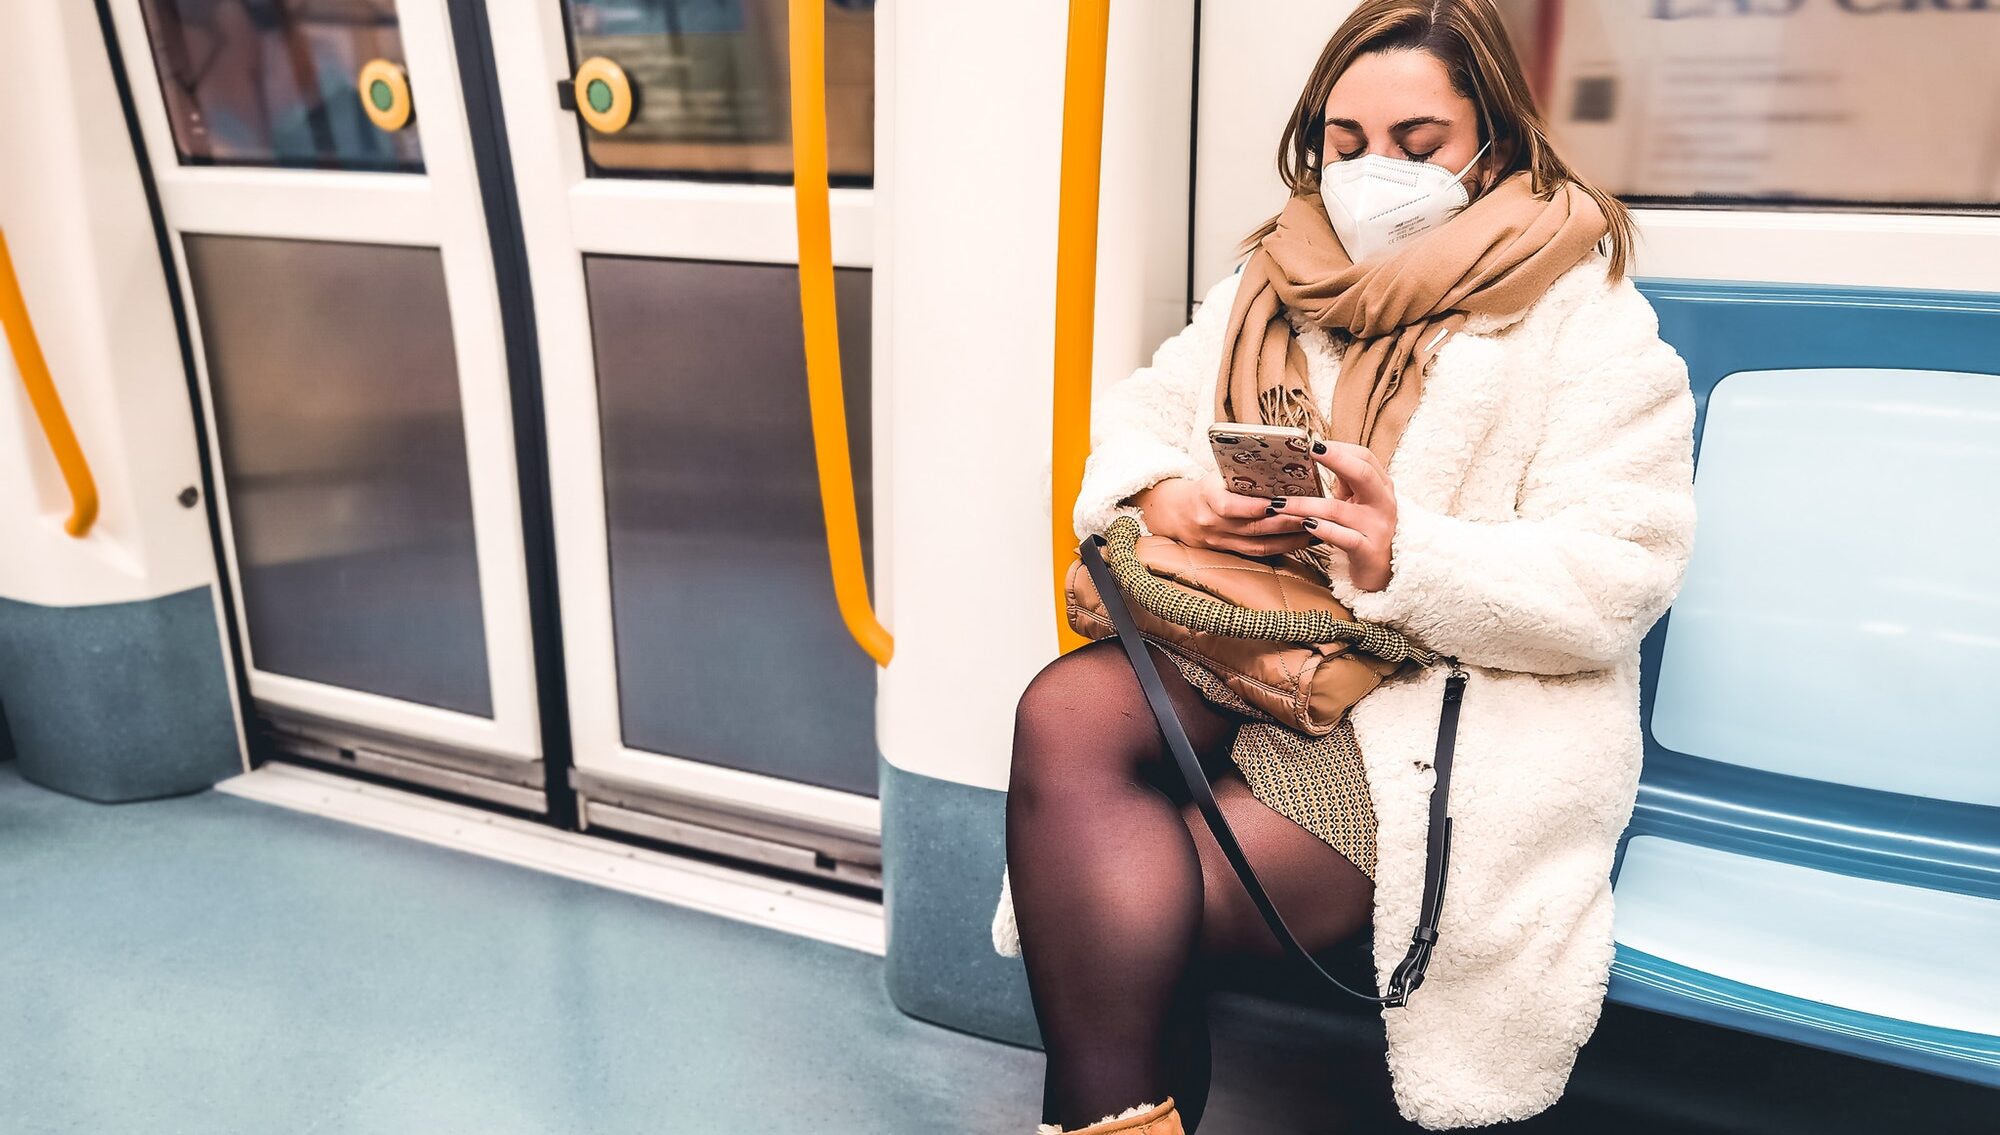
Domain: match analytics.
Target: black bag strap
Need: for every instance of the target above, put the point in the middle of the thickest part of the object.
(1409, 974)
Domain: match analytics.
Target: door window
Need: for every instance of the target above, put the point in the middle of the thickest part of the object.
(709, 83)
(1828, 102)
(281, 82)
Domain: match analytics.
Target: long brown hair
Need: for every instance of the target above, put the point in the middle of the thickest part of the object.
(1469, 38)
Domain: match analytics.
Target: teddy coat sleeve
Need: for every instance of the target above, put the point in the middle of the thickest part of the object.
(1141, 426)
(1605, 515)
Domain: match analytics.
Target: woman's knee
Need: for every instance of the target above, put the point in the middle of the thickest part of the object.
(1082, 712)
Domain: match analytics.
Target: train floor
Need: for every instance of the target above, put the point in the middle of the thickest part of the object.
(215, 965)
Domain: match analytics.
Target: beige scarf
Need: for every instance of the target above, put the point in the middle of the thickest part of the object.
(1496, 256)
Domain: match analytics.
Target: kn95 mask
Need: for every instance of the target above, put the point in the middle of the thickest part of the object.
(1376, 203)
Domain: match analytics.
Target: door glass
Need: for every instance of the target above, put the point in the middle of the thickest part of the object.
(336, 400)
(730, 645)
(1861, 102)
(278, 82)
(710, 87)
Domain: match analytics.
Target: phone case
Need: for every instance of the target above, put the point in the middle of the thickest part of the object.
(1265, 461)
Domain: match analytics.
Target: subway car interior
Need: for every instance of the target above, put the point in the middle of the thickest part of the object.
(526, 523)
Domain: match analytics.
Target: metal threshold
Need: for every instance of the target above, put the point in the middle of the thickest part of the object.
(794, 908)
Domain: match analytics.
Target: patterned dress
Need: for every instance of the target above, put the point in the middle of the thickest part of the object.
(1318, 783)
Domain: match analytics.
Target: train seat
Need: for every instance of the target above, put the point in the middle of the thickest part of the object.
(1815, 854)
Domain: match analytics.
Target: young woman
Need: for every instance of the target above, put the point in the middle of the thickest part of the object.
(1531, 514)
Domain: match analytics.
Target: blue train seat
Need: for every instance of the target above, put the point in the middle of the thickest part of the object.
(1815, 853)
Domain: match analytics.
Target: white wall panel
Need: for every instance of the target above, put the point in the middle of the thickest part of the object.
(966, 268)
(1255, 56)
(75, 216)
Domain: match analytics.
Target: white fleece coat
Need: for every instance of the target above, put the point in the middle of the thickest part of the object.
(1545, 517)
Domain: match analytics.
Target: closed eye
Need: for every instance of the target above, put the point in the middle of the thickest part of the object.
(1423, 157)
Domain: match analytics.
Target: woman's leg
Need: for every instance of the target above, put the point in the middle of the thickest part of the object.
(1107, 881)
(1125, 906)
(1325, 900)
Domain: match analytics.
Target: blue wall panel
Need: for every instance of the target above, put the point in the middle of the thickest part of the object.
(118, 701)
(943, 847)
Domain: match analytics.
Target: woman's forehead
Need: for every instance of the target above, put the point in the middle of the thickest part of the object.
(1382, 88)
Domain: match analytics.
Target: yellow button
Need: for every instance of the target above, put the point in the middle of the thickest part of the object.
(385, 94)
(603, 95)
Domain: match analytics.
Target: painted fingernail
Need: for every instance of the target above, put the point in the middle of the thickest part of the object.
(1311, 523)
(1319, 447)
(1277, 502)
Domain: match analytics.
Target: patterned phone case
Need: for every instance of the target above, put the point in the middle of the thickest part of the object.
(1255, 464)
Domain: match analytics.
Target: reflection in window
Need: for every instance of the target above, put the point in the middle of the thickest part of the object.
(1809, 101)
(335, 384)
(273, 82)
(730, 645)
(710, 85)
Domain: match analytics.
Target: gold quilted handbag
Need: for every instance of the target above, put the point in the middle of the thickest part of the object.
(1268, 628)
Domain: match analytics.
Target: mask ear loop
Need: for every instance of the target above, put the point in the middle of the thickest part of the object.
(1486, 128)
(1460, 175)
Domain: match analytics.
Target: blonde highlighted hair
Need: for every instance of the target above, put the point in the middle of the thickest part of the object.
(1469, 38)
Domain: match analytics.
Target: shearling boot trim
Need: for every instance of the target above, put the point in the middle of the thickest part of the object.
(1137, 1111)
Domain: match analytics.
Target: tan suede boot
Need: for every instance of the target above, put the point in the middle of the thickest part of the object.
(1145, 1119)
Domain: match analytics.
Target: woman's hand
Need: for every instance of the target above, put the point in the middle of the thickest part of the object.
(1205, 514)
(1359, 519)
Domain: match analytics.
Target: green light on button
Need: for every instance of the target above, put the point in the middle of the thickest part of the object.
(602, 95)
(380, 94)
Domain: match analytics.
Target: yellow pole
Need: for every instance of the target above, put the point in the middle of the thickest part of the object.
(1076, 282)
(822, 334)
(43, 397)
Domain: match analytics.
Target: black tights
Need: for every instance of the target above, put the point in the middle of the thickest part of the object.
(1121, 894)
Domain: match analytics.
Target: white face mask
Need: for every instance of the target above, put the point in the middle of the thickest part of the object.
(1376, 203)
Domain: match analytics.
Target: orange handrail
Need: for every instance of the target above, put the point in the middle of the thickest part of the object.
(43, 397)
(1076, 282)
(822, 333)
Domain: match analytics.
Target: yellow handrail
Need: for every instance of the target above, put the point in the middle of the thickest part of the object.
(1076, 282)
(822, 334)
(47, 403)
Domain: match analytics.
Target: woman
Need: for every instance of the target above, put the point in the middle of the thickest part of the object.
(1534, 517)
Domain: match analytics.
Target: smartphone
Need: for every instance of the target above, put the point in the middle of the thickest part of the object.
(1265, 461)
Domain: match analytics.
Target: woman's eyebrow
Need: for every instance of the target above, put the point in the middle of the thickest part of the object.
(1398, 128)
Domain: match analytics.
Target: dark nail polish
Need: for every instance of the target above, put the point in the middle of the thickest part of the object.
(1319, 447)
(1311, 523)
(1277, 502)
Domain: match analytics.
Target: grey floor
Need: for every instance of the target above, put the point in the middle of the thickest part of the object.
(212, 965)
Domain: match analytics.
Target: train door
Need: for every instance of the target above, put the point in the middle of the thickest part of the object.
(340, 178)
(318, 187)
(1813, 855)
(716, 697)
